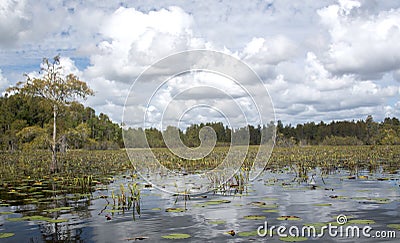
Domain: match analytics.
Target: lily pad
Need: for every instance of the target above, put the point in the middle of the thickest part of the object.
(176, 236)
(175, 210)
(15, 219)
(36, 218)
(288, 218)
(293, 238)
(212, 202)
(216, 202)
(248, 233)
(6, 235)
(156, 209)
(361, 221)
(57, 220)
(337, 197)
(4, 213)
(381, 200)
(254, 217)
(58, 209)
(217, 222)
(322, 204)
(270, 211)
(394, 226)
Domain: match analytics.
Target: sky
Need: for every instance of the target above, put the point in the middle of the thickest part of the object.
(318, 60)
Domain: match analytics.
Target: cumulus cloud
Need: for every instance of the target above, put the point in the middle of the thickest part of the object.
(134, 40)
(13, 21)
(320, 60)
(322, 94)
(268, 51)
(367, 46)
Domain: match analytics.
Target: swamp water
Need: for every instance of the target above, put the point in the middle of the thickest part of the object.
(366, 199)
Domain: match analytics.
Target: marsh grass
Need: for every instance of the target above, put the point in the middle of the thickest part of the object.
(26, 173)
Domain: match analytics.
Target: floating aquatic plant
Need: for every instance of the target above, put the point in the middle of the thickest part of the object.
(288, 218)
(293, 238)
(176, 236)
(254, 217)
(247, 233)
(6, 235)
(175, 210)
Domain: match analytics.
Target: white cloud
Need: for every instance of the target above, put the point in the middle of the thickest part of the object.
(269, 51)
(321, 60)
(13, 21)
(364, 45)
(134, 40)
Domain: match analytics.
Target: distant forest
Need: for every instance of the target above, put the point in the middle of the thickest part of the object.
(26, 123)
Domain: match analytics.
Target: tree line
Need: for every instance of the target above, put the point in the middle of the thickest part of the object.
(360, 132)
(26, 123)
(42, 113)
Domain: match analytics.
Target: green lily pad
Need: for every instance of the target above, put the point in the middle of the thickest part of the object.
(293, 238)
(5, 213)
(15, 219)
(381, 200)
(216, 202)
(176, 236)
(31, 200)
(248, 233)
(4, 204)
(254, 217)
(57, 220)
(337, 197)
(6, 235)
(212, 202)
(322, 204)
(394, 226)
(288, 218)
(270, 211)
(36, 218)
(269, 206)
(175, 210)
(156, 209)
(217, 222)
(361, 221)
